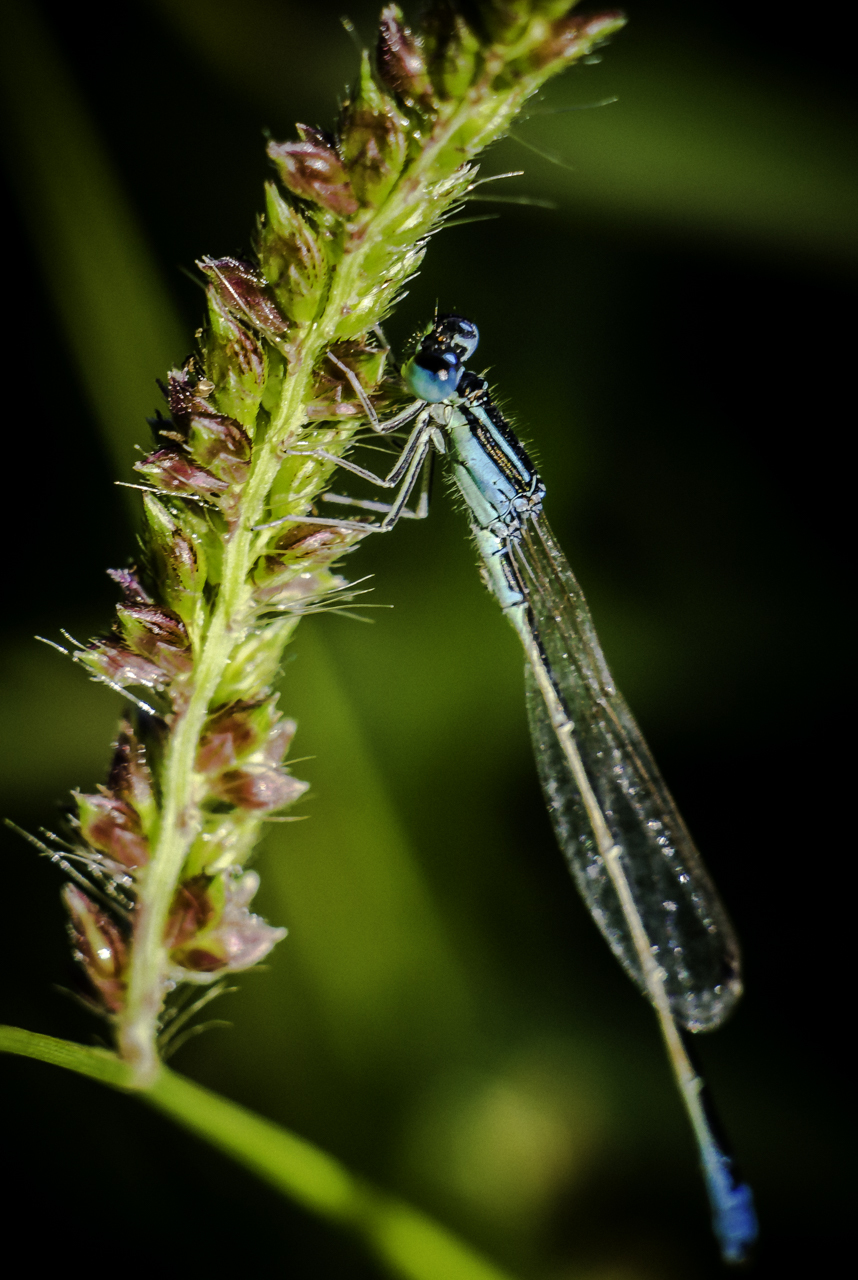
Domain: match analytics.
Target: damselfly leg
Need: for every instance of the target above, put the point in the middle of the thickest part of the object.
(414, 462)
(394, 511)
(390, 424)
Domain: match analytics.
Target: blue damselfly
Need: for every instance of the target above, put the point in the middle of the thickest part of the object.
(625, 842)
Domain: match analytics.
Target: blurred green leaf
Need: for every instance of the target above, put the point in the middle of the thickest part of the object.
(57, 725)
(117, 314)
(701, 144)
(362, 922)
(265, 49)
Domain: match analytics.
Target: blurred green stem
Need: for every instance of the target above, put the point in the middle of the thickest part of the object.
(409, 1243)
(96, 264)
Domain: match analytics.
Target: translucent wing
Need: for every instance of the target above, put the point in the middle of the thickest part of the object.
(690, 934)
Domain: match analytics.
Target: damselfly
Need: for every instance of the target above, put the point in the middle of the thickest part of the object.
(627, 846)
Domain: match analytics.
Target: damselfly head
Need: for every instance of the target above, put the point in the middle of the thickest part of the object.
(433, 373)
(456, 332)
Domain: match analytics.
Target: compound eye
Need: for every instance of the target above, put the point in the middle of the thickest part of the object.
(463, 335)
(433, 375)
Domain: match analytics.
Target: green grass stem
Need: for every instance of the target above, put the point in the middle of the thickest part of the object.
(409, 1243)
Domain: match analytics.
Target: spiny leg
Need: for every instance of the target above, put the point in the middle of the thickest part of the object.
(399, 468)
(418, 464)
(397, 509)
(365, 504)
(425, 444)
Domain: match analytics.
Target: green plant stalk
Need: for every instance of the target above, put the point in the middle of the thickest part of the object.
(408, 1242)
(137, 1028)
(222, 584)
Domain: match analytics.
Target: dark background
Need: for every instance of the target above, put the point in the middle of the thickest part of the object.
(674, 338)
